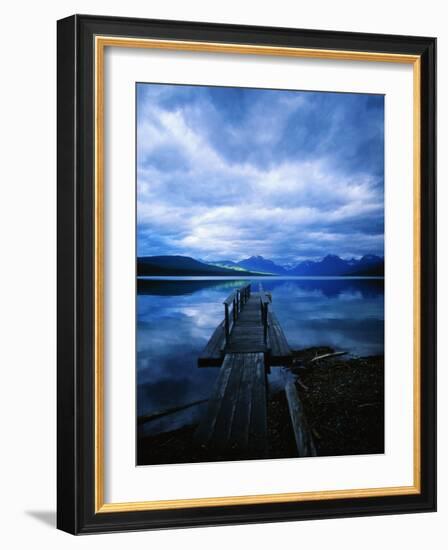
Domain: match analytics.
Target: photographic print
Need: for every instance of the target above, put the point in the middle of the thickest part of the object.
(246, 262)
(260, 273)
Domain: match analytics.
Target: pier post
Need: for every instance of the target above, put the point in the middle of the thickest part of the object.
(265, 323)
(251, 327)
(226, 323)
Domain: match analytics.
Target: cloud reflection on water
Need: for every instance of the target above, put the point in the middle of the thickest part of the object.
(176, 318)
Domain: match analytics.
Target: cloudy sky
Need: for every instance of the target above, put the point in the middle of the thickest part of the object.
(227, 173)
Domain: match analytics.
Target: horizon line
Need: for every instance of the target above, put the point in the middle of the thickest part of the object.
(318, 258)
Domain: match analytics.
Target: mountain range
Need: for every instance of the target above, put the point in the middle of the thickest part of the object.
(330, 265)
(181, 266)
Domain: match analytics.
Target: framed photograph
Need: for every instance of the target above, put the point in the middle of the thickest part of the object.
(246, 274)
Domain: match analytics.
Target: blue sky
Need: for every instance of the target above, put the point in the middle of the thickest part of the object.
(227, 173)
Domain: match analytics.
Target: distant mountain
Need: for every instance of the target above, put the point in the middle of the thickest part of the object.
(223, 263)
(181, 266)
(330, 265)
(254, 263)
(258, 263)
(333, 265)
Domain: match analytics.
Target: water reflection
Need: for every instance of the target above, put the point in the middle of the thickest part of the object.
(175, 319)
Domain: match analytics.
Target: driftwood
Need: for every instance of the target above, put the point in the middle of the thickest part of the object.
(327, 355)
(369, 404)
(302, 434)
(166, 412)
(302, 385)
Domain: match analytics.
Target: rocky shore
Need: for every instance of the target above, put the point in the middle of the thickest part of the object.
(343, 400)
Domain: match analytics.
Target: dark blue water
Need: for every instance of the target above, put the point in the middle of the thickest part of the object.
(175, 319)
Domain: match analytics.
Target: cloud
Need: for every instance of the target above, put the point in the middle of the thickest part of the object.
(223, 173)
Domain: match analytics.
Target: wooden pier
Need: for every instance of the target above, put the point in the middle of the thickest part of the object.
(235, 422)
(249, 326)
(247, 342)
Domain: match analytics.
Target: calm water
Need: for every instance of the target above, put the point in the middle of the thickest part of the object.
(176, 317)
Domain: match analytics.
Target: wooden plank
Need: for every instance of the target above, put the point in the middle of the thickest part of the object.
(280, 352)
(207, 425)
(302, 434)
(212, 354)
(230, 298)
(235, 422)
(165, 412)
(220, 436)
(258, 418)
(239, 434)
(247, 333)
(248, 347)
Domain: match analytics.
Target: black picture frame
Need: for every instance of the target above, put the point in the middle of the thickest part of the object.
(76, 512)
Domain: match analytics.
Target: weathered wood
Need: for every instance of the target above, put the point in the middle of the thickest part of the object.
(327, 355)
(229, 299)
(259, 420)
(219, 438)
(244, 293)
(239, 433)
(226, 323)
(265, 300)
(249, 340)
(280, 352)
(249, 328)
(302, 434)
(160, 414)
(235, 420)
(235, 307)
(247, 332)
(207, 424)
(212, 353)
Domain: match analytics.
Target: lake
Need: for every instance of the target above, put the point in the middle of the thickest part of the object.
(177, 315)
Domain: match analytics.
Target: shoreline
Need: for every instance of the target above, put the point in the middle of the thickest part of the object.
(343, 400)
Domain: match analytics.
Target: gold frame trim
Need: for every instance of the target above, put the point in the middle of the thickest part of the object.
(101, 42)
